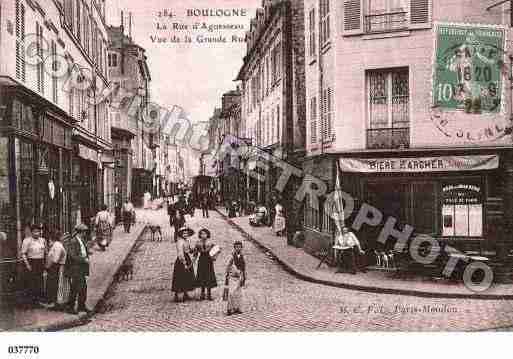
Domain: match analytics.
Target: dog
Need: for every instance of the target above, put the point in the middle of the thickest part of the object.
(391, 259)
(125, 272)
(156, 232)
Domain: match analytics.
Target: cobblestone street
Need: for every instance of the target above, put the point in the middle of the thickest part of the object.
(274, 299)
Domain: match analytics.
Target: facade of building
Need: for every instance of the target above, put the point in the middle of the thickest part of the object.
(54, 140)
(273, 93)
(398, 103)
(123, 123)
(229, 123)
(134, 150)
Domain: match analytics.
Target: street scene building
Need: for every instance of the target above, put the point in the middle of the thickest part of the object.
(377, 111)
(359, 167)
(58, 167)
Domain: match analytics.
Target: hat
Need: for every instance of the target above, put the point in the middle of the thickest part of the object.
(81, 227)
(181, 231)
(34, 227)
(206, 231)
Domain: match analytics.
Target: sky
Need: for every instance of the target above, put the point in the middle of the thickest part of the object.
(193, 76)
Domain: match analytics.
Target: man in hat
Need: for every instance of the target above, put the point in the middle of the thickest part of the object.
(78, 270)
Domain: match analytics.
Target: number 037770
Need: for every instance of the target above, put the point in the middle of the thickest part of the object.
(22, 349)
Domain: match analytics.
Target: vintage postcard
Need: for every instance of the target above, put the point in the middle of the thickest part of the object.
(255, 166)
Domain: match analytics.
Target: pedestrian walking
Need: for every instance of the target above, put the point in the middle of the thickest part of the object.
(183, 272)
(77, 269)
(127, 214)
(177, 221)
(232, 209)
(205, 275)
(235, 280)
(55, 261)
(104, 227)
(33, 252)
(279, 223)
(204, 206)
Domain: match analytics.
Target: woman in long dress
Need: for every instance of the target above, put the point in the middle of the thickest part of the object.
(235, 280)
(103, 223)
(183, 273)
(205, 276)
(279, 220)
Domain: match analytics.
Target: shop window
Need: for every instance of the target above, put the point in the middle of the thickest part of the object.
(66, 194)
(25, 173)
(312, 215)
(462, 208)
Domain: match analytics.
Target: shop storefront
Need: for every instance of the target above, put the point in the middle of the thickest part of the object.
(459, 199)
(35, 147)
(142, 182)
(85, 182)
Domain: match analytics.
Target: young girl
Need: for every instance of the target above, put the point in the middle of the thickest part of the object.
(235, 279)
(183, 273)
(206, 276)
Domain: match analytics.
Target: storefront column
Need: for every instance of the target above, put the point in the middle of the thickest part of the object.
(504, 272)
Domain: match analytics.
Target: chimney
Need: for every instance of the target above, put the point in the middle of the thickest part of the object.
(122, 22)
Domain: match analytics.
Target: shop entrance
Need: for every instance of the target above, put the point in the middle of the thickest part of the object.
(410, 203)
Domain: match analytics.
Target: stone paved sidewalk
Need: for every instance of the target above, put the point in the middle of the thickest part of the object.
(104, 266)
(303, 265)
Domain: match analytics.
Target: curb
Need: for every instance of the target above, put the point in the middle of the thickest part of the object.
(82, 318)
(362, 288)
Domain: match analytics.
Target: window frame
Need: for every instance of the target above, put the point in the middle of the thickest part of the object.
(389, 97)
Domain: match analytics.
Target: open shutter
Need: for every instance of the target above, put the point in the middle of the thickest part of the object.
(420, 14)
(353, 17)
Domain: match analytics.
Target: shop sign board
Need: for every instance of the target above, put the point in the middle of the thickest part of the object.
(419, 164)
(462, 208)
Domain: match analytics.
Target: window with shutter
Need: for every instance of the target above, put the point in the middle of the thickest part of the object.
(420, 14)
(54, 71)
(40, 66)
(20, 39)
(78, 21)
(312, 34)
(353, 19)
(325, 22)
(327, 132)
(313, 120)
(278, 125)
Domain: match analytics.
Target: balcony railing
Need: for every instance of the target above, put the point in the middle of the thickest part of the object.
(388, 22)
(388, 138)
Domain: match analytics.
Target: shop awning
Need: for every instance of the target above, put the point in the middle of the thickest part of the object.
(419, 164)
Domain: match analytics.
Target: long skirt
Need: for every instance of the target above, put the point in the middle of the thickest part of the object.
(234, 294)
(104, 234)
(206, 276)
(279, 224)
(183, 278)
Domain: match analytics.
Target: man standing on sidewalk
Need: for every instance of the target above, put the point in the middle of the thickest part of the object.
(127, 215)
(78, 270)
(204, 205)
(55, 260)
